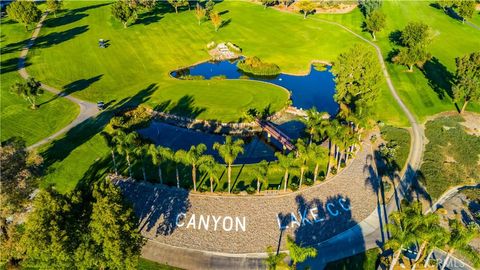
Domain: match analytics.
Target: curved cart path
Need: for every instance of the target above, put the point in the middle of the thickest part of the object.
(87, 109)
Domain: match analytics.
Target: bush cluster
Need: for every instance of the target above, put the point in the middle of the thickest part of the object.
(253, 65)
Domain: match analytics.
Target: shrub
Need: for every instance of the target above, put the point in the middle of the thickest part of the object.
(294, 186)
(192, 77)
(251, 190)
(233, 47)
(219, 77)
(204, 188)
(211, 45)
(320, 66)
(333, 170)
(244, 77)
(132, 119)
(308, 181)
(236, 190)
(253, 65)
(386, 186)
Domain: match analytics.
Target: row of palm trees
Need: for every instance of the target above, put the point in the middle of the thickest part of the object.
(129, 145)
(411, 227)
(343, 140)
(343, 133)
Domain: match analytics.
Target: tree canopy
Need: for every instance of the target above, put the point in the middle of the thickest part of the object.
(358, 76)
(23, 11)
(467, 79)
(368, 6)
(54, 6)
(375, 22)
(122, 11)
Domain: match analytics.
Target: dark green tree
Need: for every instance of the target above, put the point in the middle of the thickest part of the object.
(466, 9)
(122, 11)
(267, 3)
(358, 76)
(24, 11)
(416, 34)
(412, 56)
(113, 240)
(54, 6)
(274, 260)
(368, 6)
(47, 241)
(466, 87)
(29, 90)
(375, 22)
(299, 254)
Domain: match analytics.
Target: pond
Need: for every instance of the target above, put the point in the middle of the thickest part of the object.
(315, 89)
(256, 148)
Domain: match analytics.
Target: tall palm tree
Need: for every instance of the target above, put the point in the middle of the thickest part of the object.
(351, 141)
(159, 155)
(302, 159)
(142, 152)
(299, 254)
(112, 146)
(286, 162)
(260, 172)
(126, 144)
(401, 233)
(318, 154)
(311, 122)
(229, 152)
(332, 133)
(177, 158)
(274, 260)
(460, 236)
(212, 169)
(194, 157)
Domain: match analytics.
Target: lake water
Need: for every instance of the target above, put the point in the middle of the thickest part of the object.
(315, 89)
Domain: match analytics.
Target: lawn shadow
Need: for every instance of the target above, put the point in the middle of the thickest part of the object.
(61, 148)
(185, 106)
(73, 87)
(439, 78)
(395, 37)
(157, 206)
(10, 65)
(66, 18)
(56, 38)
(86, 8)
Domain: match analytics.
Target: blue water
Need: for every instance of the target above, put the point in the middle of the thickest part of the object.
(176, 138)
(315, 89)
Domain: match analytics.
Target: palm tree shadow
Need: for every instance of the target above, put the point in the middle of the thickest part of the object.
(158, 207)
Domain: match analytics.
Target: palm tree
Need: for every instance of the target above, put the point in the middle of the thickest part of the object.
(229, 152)
(260, 172)
(332, 133)
(311, 122)
(126, 144)
(194, 157)
(286, 162)
(459, 238)
(401, 233)
(159, 155)
(177, 158)
(302, 159)
(111, 144)
(299, 254)
(317, 154)
(212, 169)
(275, 260)
(143, 153)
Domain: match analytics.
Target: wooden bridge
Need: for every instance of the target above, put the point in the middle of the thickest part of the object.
(277, 134)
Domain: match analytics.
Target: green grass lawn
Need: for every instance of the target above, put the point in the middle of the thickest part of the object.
(16, 118)
(424, 92)
(145, 53)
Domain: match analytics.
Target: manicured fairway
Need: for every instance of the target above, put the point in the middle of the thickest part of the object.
(16, 118)
(425, 92)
